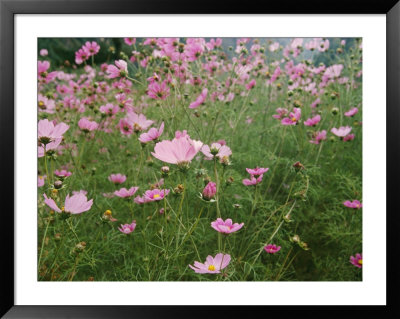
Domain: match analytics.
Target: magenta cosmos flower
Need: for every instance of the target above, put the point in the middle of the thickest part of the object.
(152, 196)
(252, 180)
(86, 125)
(293, 118)
(127, 228)
(179, 151)
(313, 121)
(226, 226)
(117, 178)
(351, 112)
(81, 55)
(200, 99)
(257, 171)
(152, 134)
(158, 91)
(341, 131)
(272, 249)
(124, 193)
(212, 265)
(354, 204)
(120, 69)
(318, 136)
(357, 261)
(281, 113)
(76, 204)
(91, 47)
(109, 109)
(62, 173)
(209, 191)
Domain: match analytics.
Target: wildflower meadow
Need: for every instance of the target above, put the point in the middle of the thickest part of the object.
(199, 159)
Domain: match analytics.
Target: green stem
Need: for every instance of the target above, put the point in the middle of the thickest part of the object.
(43, 240)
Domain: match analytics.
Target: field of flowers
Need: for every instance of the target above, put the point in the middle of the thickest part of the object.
(167, 159)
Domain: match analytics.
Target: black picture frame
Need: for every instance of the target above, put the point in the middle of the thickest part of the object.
(9, 8)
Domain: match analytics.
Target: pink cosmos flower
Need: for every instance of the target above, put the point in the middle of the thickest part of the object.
(124, 193)
(272, 249)
(152, 134)
(81, 55)
(281, 113)
(46, 105)
(354, 204)
(62, 173)
(47, 129)
(130, 41)
(48, 132)
(86, 125)
(138, 122)
(342, 131)
(151, 196)
(127, 228)
(333, 71)
(315, 103)
(179, 151)
(109, 109)
(252, 180)
(92, 47)
(351, 112)
(200, 99)
(43, 52)
(274, 46)
(318, 136)
(257, 171)
(250, 85)
(43, 74)
(76, 204)
(120, 69)
(313, 121)
(125, 126)
(226, 226)
(209, 191)
(158, 91)
(41, 180)
(221, 151)
(348, 137)
(357, 261)
(212, 265)
(117, 178)
(293, 118)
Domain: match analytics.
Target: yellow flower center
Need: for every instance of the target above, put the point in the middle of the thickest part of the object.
(107, 212)
(156, 196)
(62, 208)
(211, 267)
(294, 119)
(360, 261)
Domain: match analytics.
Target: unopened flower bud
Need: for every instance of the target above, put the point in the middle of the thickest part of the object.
(79, 247)
(165, 171)
(335, 110)
(295, 239)
(58, 184)
(209, 191)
